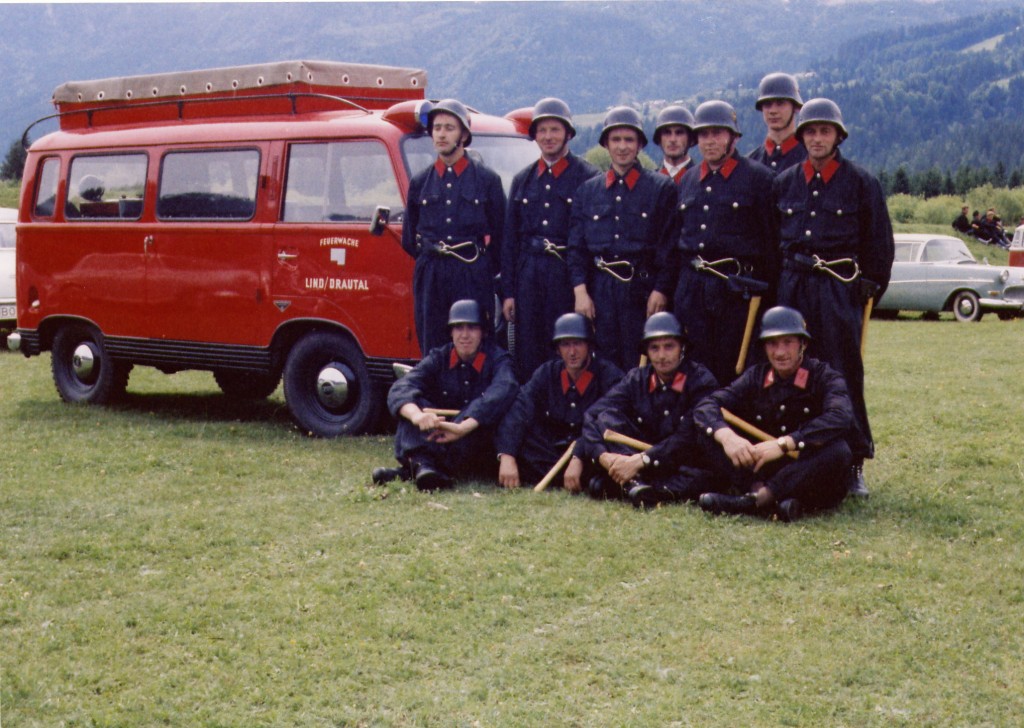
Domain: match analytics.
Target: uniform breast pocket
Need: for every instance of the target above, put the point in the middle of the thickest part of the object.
(638, 221)
(842, 219)
(598, 223)
(472, 210)
(791, 216)
(736, 214)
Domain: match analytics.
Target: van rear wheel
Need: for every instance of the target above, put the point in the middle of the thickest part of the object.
(327, 386)
(83, 371)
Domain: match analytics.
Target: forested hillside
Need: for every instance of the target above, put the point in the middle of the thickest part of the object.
(946, 97)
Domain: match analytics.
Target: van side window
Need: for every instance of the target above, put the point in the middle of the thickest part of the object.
(46, 191)
(106, 186)
(339, 182)
(218, 184)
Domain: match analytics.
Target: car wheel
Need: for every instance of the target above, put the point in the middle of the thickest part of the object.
(83, 371)
(966, 306)
(245, 385)
(328, 388)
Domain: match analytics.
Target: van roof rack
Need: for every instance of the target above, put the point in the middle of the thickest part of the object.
(373, 87)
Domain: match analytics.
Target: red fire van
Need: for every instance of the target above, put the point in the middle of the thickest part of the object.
(244, 221)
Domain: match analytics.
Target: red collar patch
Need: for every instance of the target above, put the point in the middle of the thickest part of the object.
(831, 166)
(582, 381)
(799, 380)
(556, 169)
(787, 146)
(678, 382)
(478, 360)
(725, 170)
(459, 167)
(631, 178)
(675, 177)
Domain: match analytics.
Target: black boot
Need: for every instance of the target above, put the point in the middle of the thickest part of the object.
(790, 510)
(429, 478)
(857, 487)
(382, 476)
(642, 495)
(720, 503)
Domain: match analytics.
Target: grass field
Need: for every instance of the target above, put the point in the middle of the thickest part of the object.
(182, 560)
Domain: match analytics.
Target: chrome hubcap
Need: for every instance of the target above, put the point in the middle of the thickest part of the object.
(332, 387)
(83, 361)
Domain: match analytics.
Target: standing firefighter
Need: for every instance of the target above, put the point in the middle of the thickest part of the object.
(453, 227)
(653, 404)
(673, 132)
(621, 227)
(778, 100)
(838, 249)
(727, 253)
(803, 405)
(534, 276)
(470, 375)
(548, 413)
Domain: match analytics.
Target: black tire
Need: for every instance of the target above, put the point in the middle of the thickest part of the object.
(966, 306)
(1008, 315)
(309, 400)
(885, 314)
(82, 369)
(245, 385)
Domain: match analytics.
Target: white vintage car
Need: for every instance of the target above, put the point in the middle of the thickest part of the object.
(8, 217)
(936, 273)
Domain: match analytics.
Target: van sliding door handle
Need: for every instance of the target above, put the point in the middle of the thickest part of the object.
(283, 256)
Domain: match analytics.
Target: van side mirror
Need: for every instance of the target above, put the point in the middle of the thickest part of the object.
(380, 220)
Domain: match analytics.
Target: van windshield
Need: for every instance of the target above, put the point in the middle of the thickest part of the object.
(506, 155)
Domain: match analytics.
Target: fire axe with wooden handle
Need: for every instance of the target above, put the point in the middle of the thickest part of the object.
(752, 289)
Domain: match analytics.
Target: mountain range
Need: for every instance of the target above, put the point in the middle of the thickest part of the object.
(921, 82)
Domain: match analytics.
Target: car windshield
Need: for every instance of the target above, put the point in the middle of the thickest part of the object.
(948, 249)
(506, 155)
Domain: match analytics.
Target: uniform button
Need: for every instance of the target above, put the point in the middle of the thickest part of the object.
(572, 405)
(707, 189)
(543, 222)
(735, 205)
(449, 169)
(807, 233)
(643, 214)
(447, 219)
(710, 431)
(447, 202)
(800, 445)
(476, 202)
(616, 217)
(639, 419)
(789, 210)
(595, 217)
(667, 413)
(547, 187)
(683, 206)
(700, 246)
(547, 204)
(526, 201)
(703, 226)
(813, 213)
(783, 428)
(424, 202)
(449, 185)
(807, 410)
(616, 236)
(618, 199)
(622, 182)
(817, 175)
(449, 237)
(466, 382)
(775, 164)
(706, 208)
(568, 201)
(656, 463)
(839, 213)
(547, 414)
(758, 418)
(814, 194)
(782, 408)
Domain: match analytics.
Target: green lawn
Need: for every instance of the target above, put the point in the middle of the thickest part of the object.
(181, 560)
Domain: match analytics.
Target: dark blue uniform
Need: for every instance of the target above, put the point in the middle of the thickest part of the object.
(455, 218)
(621, 228)
(779, 157)
(726, 218)
(548, 415)
(643, 407)
(837, 215)
(813, 407)
(533, 253)
(483, 389)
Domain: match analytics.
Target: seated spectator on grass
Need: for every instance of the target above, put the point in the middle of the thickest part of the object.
(961, 224)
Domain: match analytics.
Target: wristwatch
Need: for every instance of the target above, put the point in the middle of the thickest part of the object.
(782, 444)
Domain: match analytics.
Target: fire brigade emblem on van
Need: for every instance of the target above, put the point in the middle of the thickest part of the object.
(338, 256)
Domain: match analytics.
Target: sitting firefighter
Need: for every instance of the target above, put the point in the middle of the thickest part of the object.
(653, 405)
(471, 376)
(547, 416)
(802, 407)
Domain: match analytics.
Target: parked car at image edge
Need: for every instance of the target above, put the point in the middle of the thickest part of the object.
(8, 313)
(935, 273)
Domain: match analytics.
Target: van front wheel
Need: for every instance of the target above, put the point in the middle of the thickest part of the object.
(83, 371)
(327, 386)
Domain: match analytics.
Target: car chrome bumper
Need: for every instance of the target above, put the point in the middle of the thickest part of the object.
(14, 341)
(1000, 304)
